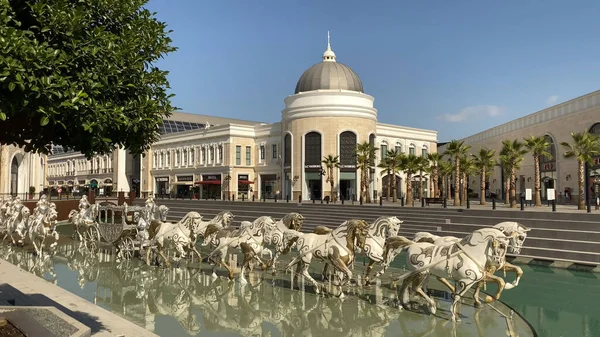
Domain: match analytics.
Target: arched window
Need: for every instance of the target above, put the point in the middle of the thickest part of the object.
(312, 150)
(14, 176)
(398, 148)
(287, 154)
(383, 148)
(424, 151)
(412, 149)
(347, 150)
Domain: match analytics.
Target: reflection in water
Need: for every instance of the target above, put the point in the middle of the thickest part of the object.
(186, 301)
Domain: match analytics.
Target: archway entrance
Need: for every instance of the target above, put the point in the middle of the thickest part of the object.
(385, 186)
(313, 172)
(347, 178)
(548, 169)
(14, 176)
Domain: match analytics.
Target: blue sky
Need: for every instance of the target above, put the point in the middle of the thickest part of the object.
(458, 67)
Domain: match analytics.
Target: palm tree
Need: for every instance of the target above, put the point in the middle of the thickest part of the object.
(331, 163)
(445, 169)
(365, 159)
(484, 162)
(538, 146)
(456, 149)
(467, 167)
(434, 159)
(503, 162)
(514, 152)
(584, 148)
(423, 164)
(410, 165)
(391, 165)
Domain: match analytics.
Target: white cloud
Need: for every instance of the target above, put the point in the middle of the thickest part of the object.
(552, 100)
(472, 112)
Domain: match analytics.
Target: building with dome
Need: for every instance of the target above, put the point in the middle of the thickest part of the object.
(328, 114)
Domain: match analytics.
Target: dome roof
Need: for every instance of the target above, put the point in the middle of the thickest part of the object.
(329, 74)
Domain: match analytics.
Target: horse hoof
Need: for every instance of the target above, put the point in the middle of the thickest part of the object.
(214, 276)
(477, 304)
(489, 299)
(433, 310)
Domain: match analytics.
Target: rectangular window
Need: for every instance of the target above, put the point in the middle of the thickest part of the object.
(238, 155)
(203, 155)
(274, 151)
(424, 153)
(193, 155)
(383, 151)
(262, 152)
(248, 155)
(220, 153)
(412, 151)
(398, 149)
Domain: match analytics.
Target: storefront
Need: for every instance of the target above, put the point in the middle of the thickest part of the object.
(162, 185)
(268, 186)
(184, 184)
(244, 190)
(211, 186)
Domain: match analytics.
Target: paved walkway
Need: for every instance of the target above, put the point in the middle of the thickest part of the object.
(500, 206)
(39, 292)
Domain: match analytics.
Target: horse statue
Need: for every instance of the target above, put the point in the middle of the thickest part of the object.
(274, 237)
(249, 238)
(516, 232)
(177, 235)
(84, 217)
(337, 247)
(464, 261)
(209, 229)
(43, 225)
(382, 228)
(17, 221)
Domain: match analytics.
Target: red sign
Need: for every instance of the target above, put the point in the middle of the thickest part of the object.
(596, 161)
(547, 167)
(59, 190)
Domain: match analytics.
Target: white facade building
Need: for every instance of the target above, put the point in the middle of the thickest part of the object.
(214, 157)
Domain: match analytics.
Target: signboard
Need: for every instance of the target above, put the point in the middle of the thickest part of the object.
(211, 177)
(162, 179)
(348, 166)
(547, 167)
(550, 192)
(528, 194)
(312, 166)
(242, 177)
(185, 178)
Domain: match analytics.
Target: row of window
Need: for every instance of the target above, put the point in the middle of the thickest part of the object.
(263, 150)
(73, 167)
(411, 150)
(185, 157)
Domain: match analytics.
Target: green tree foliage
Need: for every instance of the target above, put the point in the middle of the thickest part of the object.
(82, 74)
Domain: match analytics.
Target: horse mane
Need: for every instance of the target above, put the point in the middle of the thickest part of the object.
(211, 229)
(153, 228)
(425, 239)
(393, 243)
(218, 218)
(322, 230)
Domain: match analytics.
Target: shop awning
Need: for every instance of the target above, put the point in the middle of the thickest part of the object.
(245, 182)
(208, 182)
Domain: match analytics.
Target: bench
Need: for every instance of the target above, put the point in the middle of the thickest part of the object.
(434, 201)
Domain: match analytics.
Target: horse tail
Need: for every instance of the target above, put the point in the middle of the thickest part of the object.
(424, 237)
(322, 230)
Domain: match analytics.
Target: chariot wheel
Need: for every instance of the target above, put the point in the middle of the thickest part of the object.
(92, 238)
(126, 248)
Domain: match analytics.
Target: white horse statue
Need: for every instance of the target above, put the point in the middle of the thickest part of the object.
(84, 217)
(465, 262)
(43, 225)
(516, 232)
(337, 247)
(176, 235)
(249, 238)
(17, 221)
(274, 237)
(209, 229)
